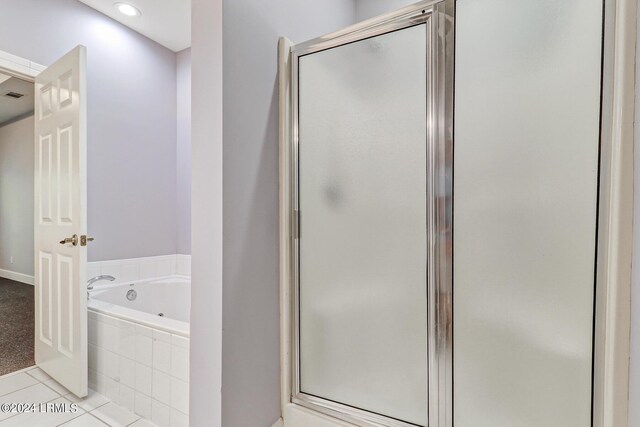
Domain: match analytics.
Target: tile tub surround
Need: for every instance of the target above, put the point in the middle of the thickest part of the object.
(135, 269)
(142, 369)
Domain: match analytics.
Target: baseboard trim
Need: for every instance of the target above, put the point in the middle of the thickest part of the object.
(278, 423)
(18, 277)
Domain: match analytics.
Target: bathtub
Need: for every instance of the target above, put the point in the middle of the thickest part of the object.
(139, 346)
(162, 304)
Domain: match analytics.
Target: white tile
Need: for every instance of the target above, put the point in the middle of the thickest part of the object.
(144, 349)
(91, 402)
(111, 364)
(160, 414)
(164, 266)
(38, 393)
(86, 420)
(112, 268)
(162, 351)
(57, 387)
(180, 395)
(114, 415)
(108, 319)
(178, 419)
(127, 372)
(143, 423)
(144, 331)
(130, 271)
(38, 374)
(93, 356)
(143, 379)
(183, 265)
(180, 362)
(127, 397)
(127, 340)
(179, 341)
(143, 405)
(111, 389)
(107, 334)
(161, 336)
(12, 383)
(45, 415)
(161, 387)
(96, 380)
(93, 330)
(93, 269)
(100, 357)
(147, 269)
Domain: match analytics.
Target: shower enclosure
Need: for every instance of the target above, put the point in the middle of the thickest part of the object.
(415, 297)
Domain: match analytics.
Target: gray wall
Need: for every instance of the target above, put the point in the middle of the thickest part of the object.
(250, 340)
(16, 196)
(206, 214)
(183, 151)
(366, 9)
(131, 120)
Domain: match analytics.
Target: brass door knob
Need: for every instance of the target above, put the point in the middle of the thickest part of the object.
(73, 240)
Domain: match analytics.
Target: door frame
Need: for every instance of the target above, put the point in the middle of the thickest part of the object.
(438, 16)
(612, 323)
(611, 347)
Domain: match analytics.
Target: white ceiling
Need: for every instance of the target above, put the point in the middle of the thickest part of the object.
(11, 108)
(167, 22)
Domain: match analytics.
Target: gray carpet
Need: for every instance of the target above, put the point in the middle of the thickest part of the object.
(16, 326)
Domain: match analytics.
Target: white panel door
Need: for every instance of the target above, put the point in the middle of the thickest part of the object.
(60, 213)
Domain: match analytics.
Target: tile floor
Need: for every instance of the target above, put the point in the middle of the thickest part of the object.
(32, 385)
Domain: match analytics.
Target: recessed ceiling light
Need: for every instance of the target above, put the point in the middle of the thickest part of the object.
(127, 9)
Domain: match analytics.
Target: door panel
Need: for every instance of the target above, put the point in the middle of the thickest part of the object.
(527, 116)
(60, 198)
(362, 200)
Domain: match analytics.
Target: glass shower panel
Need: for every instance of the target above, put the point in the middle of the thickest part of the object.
(362, 198)
(527, 113)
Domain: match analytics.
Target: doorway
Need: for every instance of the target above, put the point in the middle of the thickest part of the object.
(16, 224)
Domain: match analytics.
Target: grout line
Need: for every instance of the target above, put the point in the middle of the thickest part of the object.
(101, 405)
(77, 415)
(22, 388)
(97, 417)
(51, 388)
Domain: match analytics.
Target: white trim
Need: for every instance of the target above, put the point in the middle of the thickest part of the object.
(18, 277)
(20, 67)
(284, 88)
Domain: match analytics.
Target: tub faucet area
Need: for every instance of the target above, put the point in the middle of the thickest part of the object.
(93, 280)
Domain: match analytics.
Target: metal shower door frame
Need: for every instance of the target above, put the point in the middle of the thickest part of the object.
(438, 16)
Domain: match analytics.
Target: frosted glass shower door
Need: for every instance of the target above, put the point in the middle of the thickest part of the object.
(527, 114)
(362, 201)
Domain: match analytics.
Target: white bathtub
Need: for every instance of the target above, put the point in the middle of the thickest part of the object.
(162, 304)
(137, 358)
